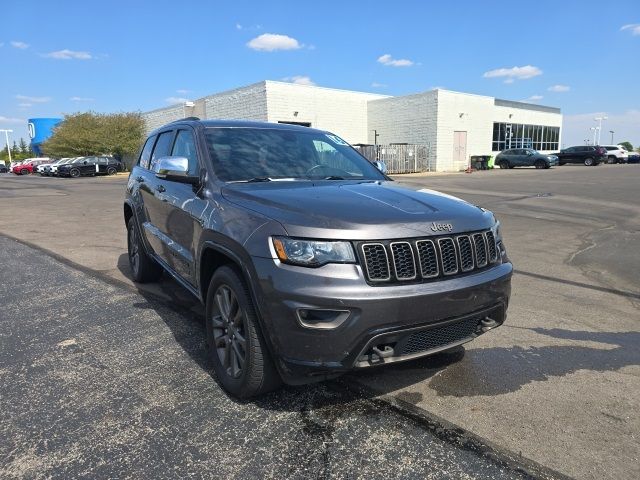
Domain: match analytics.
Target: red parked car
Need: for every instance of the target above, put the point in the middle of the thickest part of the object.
(29, 165)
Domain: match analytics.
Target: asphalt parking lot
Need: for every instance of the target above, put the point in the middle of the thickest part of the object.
(100, 377)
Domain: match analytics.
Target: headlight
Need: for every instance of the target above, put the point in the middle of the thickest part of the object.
(312, 253)
(496, 230)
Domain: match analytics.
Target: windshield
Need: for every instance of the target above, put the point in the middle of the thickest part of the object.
(263, 154)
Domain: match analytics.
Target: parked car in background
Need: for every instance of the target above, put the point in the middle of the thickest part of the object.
(90, 166)
(616, 154)
(53, 169)
(108, 166)
(590, 155)
(4, 168)
(525, 157)
(13, 165)
(43, 167)
(29, 165)
(634, 157)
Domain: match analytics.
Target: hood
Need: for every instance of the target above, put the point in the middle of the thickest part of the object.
(357, 210)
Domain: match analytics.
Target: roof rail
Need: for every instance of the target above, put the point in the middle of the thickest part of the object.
(185, 119)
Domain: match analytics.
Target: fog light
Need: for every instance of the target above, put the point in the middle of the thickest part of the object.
(322, 319)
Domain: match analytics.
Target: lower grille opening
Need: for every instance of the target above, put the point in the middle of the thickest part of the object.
(440, 336)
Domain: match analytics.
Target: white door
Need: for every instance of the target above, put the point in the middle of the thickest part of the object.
(460, 161)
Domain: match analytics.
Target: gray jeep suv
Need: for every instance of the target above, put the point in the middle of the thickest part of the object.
(309, 260)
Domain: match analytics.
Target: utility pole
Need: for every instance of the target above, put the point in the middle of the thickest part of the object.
(375, 143)
(6, 136)
(599, 120)
(611, 132)
(595, 132)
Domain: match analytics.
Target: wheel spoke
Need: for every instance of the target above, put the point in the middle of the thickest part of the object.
(238, 354)
(241, 340)
(221, 302)
(237, 318)
(221, 341)
(217, 321)
(227, 355)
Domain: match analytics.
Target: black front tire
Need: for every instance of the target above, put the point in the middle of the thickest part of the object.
(589, 162)
(504, 164)
(74, 173)
(24, 171)
(111, 171)
(143, 268)
(237, 348)
(541, 164)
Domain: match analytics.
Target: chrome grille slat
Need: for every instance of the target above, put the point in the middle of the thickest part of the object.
(400, 261)
(480, 250)
(376, 262)
(491, 244)
(466, 253)
(403, 261)
(427, 258)
(448, 256)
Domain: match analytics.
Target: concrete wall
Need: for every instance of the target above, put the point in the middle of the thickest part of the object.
(156, 118)
(466, 113)
(245, 103)
(342, 112)
(407, 119)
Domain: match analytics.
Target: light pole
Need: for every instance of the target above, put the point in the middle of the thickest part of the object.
(599, 120)
(595, 131)
(611, 132)
(6, 136)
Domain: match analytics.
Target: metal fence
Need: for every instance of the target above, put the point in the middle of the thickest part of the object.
(401, 158)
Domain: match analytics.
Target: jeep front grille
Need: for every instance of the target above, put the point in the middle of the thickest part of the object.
(423, 259)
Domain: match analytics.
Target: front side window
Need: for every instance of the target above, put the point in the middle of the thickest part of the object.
(162, 148)
(241, 154)
(145, 155)
(185, 146)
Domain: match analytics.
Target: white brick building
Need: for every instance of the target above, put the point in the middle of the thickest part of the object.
(454, 125)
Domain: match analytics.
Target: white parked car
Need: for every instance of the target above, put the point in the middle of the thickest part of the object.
(46, 168)
(616, 154)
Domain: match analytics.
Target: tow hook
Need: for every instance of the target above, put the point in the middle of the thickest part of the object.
(386, 351)
(487, 324)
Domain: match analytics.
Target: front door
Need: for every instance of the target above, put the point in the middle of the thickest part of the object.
(460, 161)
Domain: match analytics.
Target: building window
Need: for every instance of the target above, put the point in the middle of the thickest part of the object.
(515, 135)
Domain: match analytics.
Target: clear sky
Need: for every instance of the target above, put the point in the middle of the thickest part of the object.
(69, 56)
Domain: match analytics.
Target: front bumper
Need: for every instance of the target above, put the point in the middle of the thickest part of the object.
(383, 316)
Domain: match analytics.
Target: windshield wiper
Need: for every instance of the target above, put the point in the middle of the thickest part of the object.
(264, 179)
(334, 177)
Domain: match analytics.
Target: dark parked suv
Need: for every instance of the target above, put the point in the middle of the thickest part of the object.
(590, 155)
(90, 166)
(309, 260)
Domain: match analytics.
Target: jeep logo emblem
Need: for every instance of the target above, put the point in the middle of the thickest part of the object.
(441, 227)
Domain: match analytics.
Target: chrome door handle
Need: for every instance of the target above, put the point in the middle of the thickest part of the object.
(160, 188)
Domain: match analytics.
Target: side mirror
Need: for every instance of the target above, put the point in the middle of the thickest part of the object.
(529, 153)
(175, 169)
(380, 165)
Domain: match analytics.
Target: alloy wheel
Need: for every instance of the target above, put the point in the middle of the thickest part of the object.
(229, 331)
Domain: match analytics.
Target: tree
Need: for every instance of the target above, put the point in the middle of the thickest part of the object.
(627, 145)
(24, 149)
(90, 133)
(15, 151)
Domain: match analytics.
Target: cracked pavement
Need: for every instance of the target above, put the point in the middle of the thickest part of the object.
(559, 383)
